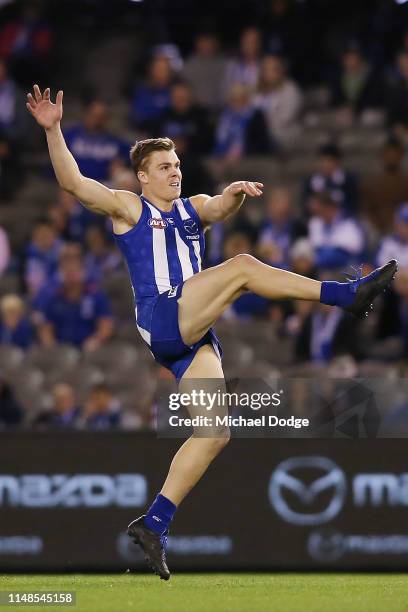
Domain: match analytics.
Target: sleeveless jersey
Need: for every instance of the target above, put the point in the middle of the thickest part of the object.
(162, 251)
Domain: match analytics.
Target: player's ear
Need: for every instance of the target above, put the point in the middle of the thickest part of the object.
(141, 175)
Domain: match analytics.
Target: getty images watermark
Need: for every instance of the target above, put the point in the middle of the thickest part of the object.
(211, 405)
(295, 407)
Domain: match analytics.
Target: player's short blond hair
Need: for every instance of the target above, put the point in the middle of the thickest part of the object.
(142, 149)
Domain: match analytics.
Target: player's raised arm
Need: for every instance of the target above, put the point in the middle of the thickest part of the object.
(93, 195)
(220, 207)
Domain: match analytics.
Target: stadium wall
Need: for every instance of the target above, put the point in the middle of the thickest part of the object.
(66, 499)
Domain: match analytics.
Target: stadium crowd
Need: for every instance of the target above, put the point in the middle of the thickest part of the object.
(223, 102)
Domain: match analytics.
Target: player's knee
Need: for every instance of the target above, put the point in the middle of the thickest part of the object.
(216, 439)
(244, 264)
(221, 438)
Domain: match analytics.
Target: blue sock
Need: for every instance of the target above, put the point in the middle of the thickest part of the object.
(160, 514)
(337, 294)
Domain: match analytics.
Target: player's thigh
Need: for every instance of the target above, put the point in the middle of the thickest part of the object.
(205, 296)
(204, 382)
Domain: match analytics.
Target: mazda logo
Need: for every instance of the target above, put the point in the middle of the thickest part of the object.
(307, 490)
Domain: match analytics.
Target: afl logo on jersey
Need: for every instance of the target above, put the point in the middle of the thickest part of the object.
(157, 223)
(190, 226)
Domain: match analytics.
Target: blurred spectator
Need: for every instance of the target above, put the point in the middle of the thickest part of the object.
(13, 127)
(27, 45)
(383, 191)
(356, 86)
(15, 327)
(152, 98)
(326, 333)
(395, 246)
(338, 241)
(332, 177)
(302, 258)
(93, 147)
(244, 69)
(70, 253)
(281, 100)
(241, 129)
(185, 119)
(11, 413)
(4, 251)
(69, 214)
(283, 22)
(249, 304)
(102, 258)
(397, 97)
(65, 410)
(205, 71)
(74, 312)
(121, 177)
(102, 409)
(401, 289)
(13, 115)
(279, 229)
(41, 256)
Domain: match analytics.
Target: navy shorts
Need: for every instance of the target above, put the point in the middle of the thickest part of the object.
(167, 345)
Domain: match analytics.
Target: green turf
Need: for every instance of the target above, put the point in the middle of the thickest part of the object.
(221, 592)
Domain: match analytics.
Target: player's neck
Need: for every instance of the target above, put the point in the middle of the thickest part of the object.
(164, 205)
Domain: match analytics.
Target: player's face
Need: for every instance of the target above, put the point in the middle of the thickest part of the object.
(163, 175)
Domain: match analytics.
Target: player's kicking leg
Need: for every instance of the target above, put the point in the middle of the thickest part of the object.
(188, 465)
(207, 294)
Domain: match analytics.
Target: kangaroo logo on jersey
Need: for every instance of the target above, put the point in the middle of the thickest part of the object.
(190, 226)
(157, 223)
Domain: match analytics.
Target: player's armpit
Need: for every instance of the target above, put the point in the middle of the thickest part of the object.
(100, 199)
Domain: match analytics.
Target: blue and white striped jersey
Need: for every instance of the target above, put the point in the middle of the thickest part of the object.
(163, 250)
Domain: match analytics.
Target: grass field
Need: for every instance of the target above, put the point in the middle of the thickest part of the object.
(221, 592)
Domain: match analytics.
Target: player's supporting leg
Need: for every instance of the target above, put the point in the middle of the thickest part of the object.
(188, 465)
(196, 454)
(207, 294)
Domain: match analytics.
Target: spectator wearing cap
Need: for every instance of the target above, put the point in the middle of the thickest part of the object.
(241, 129)
(384, 190)
(302, 258)
(16, 328)
(395, 246)
(102, 409)
(279, 229)
(65, 410)
(205, 71)
(337, 240)
(74, 312)
(92, 145)
(332, 177)
(187, 120)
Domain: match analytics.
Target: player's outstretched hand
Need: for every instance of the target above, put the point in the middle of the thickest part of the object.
(46, 113)
(246, 187)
